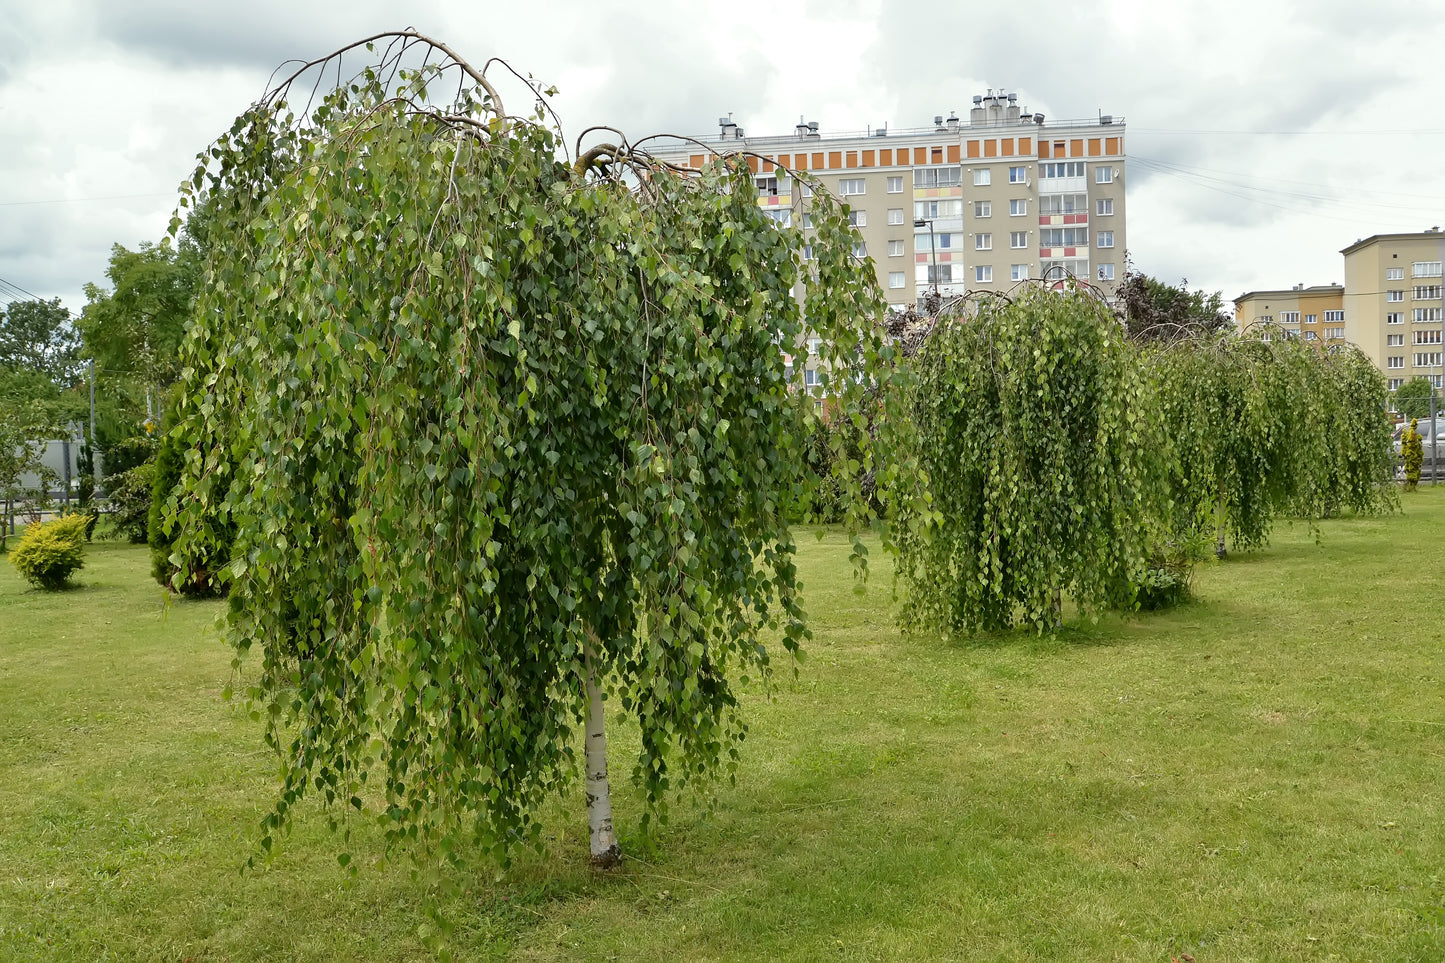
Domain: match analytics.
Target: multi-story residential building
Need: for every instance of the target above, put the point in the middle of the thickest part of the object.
(1389, 306)
(1392, 303)
(1314, 313)
(974, 205)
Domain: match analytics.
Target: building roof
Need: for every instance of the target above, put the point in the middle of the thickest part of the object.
(1377, 238)
(1291, 292)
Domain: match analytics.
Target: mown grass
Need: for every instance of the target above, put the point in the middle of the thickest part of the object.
(1257, 776)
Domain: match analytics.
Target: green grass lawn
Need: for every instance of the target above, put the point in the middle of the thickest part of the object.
(1257, 776)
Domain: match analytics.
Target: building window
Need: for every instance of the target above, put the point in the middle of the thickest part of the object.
(983, 273)
(1396, 383)
(895, 279)
(1427, 292)
(807, 219)
(1311, 336)
(937, 177)
(937, 210)
(942, 240)
(1334, 334)
(1394, 274)
(1396, 361)
(1394, 295)
(934, 274)
(1063, 204)
(1425, 269)
(983, 242)
(1311, 318)
(1018, 208)
(1427, 337)
(1395, 317)
(1063, 237)
(983, 209)
(1426, 315)
(860, 249)
(895, 248)
(810, 377)
(849, 186)
(895, 184)
(1289, 317)
(782, 216)
(1018, 239)
(1106, 272)
(770, 185)
(1104, 207)
(807, 252)
(1104, 175)
(1265, 318)
(1427, 359)
(1394, 340)
(1106, 239)
(982, 177)
(1065, 268)
(858, 218)
(1018, 175)
(1334, 315)
(1066, 169)
(1019, 272)
(895, 215)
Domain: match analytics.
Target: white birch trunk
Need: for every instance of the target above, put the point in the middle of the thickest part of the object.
(605, 852)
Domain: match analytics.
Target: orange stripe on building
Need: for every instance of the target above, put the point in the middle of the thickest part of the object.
(1025, 144)
(800, 162)
(868, 160)
(1094, 147)
(783, 160)
(818, 163)
(886, 157)
(695, 161)
(990, 148)
(1111, 146)
(1006, 146)
(920, 155)
(852, 159)
(835, 159)
(1043, 148)
(1076, 148)
(953, 157)
(973, 148)
(767, 165)
(753, 164)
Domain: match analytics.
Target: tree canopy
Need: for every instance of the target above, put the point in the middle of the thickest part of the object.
(501, 433)
(1412, 399)
(1155, 311)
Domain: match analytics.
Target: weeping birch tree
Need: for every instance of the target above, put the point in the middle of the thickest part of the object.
(505, 435)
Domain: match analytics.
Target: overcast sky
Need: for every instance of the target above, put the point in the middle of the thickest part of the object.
(1263, 136)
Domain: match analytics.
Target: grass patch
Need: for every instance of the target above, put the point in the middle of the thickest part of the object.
(1256, 776)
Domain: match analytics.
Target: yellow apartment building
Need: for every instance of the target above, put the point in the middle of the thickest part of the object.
(1314, 313)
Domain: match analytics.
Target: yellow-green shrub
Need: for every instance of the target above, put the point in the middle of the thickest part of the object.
(50, 552)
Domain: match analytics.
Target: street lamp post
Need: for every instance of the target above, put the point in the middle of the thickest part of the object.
(932, 249)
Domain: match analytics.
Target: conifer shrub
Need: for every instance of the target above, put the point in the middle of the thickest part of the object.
(1412, 450)
(49, 553)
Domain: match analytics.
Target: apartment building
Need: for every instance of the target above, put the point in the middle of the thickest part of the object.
(1392, 303)
(1314, 313)
(1389, 306)
(960, 205)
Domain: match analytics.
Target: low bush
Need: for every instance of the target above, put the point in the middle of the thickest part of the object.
(49, 553)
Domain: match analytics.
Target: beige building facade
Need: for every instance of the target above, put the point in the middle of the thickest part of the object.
(975, 204)
(1393, 303)
(1312, 313)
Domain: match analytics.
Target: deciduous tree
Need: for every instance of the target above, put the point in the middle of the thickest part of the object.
(503, 437)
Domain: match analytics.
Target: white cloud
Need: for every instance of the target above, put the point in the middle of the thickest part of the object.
(1244, 118)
